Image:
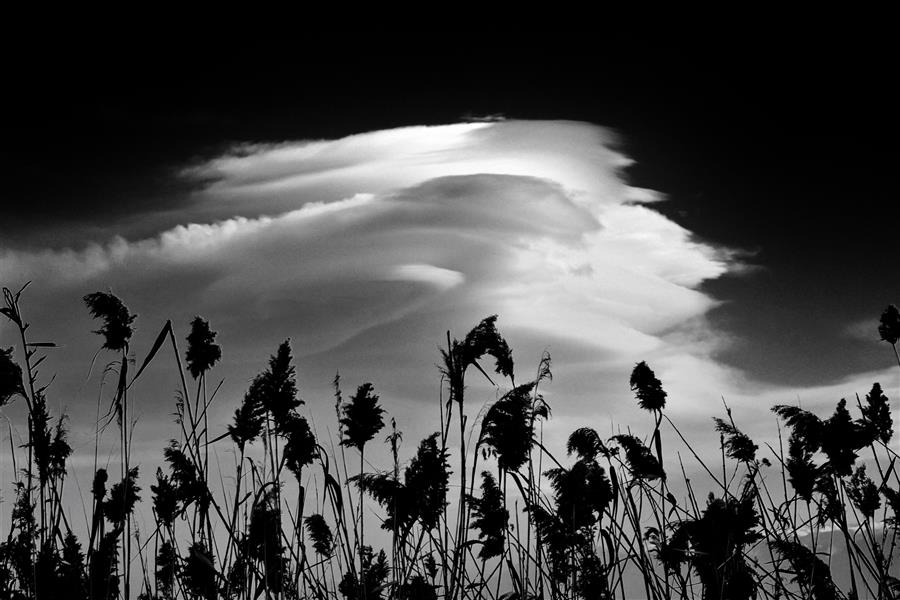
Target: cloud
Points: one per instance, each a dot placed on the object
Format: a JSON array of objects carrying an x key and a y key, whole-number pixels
[
  {"x": 443, "y": 279},
  {"x": 365, "y": 251},
  {"x": 865, "y": 330},
  {"x": 279, "y": 177},
  {"x": 328, "y": 240}
]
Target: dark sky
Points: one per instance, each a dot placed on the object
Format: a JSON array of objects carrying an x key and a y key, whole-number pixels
[{"x": 780, "y": 146}]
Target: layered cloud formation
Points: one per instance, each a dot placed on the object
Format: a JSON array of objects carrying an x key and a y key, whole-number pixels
[{"x": 365, "y": 250}]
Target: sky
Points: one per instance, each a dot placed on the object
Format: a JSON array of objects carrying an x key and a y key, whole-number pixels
[{"x": 724, "y": 209}]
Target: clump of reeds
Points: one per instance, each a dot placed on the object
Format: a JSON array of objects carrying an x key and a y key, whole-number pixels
[{"x": 609, "y": 520}]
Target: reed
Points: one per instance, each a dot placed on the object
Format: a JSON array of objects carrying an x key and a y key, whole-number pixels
[{"x": 610, "y": 518}]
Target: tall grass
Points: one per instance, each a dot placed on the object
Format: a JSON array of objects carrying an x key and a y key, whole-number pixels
[{"x": 483, "y": 509}]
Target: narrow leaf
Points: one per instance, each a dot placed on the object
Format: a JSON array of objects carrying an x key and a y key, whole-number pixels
[{"x": 167, "y": 328}]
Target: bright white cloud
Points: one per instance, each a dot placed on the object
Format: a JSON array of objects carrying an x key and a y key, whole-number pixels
[
  {"x": 365, "y": 250},
  {"x": 443, "y": 279},
  {"x": 280, "y": 177},
  {"x": 327, "y": 240}
]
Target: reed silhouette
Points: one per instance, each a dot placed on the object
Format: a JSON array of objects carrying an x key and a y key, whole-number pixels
[{"x": 610, "y": 519}]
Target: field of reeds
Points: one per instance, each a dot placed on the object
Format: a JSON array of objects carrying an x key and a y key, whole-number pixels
[{"x": 482, "y": 510}]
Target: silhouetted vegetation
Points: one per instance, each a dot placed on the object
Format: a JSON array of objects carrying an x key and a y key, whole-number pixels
[{"x": 615, "y": 518}]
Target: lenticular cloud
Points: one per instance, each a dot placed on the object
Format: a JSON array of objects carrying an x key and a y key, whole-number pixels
[{"x": 410, "y": 231}]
